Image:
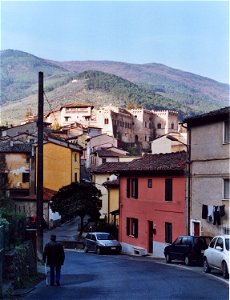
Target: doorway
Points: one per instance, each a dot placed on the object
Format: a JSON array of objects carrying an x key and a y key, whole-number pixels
[
  {"x": 195, "y": 228},
  {"x": 150, "y": 236}
]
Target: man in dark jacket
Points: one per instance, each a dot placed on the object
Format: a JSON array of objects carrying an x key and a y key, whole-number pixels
[{"x": 54, "y": 256}]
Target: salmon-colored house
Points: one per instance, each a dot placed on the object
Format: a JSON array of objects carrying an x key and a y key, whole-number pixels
[{"x": 152, "y": 203}]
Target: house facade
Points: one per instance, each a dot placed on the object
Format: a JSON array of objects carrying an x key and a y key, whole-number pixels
[
  {"x": 15, "y": 165},
  {"x": 61, "y": 164},
  {"x": 152, "y": 202},
  {"x": 70, "y": 113},
  {"x": 209, "y": 143}
]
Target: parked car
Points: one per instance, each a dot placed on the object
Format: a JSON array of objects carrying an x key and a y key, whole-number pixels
[
  {"x": 101, "y": 242},
  {"x": 216, "y": 256},
  {"x": 187, "y": 249}
]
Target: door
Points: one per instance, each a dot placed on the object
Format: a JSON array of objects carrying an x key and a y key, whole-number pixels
[
  {"x": 150, "y": 236},
  {"x": 196, "y": 226}
]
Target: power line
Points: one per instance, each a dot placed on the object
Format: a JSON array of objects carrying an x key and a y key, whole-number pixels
[{"x": 51, "y": 110}]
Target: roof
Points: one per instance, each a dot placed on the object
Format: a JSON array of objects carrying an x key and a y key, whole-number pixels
[
  {"x": 210, "y": 117},
  {"x": 75, "y": 104},
  {"x": 47, "y": 195},
  {"x": 108, "y": 153},
  {"x": 111, "y": 183},
  {"x": 9, "y": 147},
  {"x": 159, "y": 163},
  {"x": 175, "y": 161},
  {"x": 110, "y": 167}
]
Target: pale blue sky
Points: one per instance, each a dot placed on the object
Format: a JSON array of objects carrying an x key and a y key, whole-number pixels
[{"x": 189, "y": 35}]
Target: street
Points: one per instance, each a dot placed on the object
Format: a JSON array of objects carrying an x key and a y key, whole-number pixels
[{"x": 90, "y": 276}]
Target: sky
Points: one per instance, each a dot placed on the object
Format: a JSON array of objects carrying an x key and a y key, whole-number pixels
[{"x": 192, "y": 36}]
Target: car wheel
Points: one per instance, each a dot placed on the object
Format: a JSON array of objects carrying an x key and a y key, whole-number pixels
[
  {"x": 187, "y": 260},
  {"x": 225, "y": 269},
  {"x": 98, "y": 250},
  {"x": 206, "y": 266},
  {"x": 168, "y": 258}
]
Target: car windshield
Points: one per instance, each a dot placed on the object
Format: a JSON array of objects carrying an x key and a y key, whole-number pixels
[
  {"x": 104, "y": 236},
  {"x": 227, "y": 244}
]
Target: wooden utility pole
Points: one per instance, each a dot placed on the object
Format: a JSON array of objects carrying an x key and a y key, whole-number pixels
[{"x": 40, "y": 168}]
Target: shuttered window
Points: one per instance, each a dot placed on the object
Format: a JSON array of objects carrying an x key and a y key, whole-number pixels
[{"x": 168, "y": 189}]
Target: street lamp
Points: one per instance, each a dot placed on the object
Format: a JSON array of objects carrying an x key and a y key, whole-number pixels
[{"x": 188, "y": 163}]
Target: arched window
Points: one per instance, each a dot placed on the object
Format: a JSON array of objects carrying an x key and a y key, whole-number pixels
[{"x": 106, "y": 121}]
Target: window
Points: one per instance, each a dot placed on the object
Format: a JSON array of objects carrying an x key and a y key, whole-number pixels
[
  {"x": 75, "y": 157},
  {"x": 172, "y": 125},
  {"x": 25, "y": 177},
  {"x": 149, "y": 183},
  {"x": 103, "y": 160},
  {"x": 128, "y": 188},
  {"x": 227, "y": 132},
  {"x": 132, "y": 188},
  {"x": 211, "y": 245},
  {"x": 132, "y": 227},
  {"x": 106, "y": 121},
  {"x": 226, "y": 189},
  {"x": 168, "y": 232},
  {"x": 178, "y": 241},
  {"x": 168, "y": 189},
  {"x": 75, "y": 177},
  {"x": 159, "y": 126},
  {"x": 220, "y": 243}
]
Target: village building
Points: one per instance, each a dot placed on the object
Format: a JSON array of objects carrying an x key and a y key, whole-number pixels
[
  {"x": 209, "y": 146},
  {"x": 152, "y": 202},
  {"x": 70, "y": 113}
]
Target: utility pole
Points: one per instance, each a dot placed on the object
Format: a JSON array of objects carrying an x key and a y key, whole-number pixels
[{"x": 40, "y": 168}]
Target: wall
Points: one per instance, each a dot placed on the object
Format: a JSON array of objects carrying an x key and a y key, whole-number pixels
[
  {"x": 151, "y": 206},
  {"x": 99, "y": 179},
  {"x": 58, "y": 169},
  {"x": 210, "y": 165},
  {"x": 16, "y": 166}
]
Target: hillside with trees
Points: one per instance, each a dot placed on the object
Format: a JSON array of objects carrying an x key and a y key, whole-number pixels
[{"x": 151, "y": 86}]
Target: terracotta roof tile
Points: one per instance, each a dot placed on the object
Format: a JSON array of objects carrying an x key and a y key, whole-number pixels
[
  {"x": 110, "y": 167},
  {"x": 149, "y": 162},
  {"x": 108, "y": 153},
  {"x": 159, "y": 162}
]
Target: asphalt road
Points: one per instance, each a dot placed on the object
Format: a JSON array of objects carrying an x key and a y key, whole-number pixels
[{"x": 87, "y": 276}]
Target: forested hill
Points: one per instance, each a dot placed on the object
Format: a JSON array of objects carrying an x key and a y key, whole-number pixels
[{"x": 152, "y": 86}]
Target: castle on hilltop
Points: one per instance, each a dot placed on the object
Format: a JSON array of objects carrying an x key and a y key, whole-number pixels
[{"x": 128, "y": 126}]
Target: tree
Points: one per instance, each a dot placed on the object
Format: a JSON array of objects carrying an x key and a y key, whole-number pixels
[{"x": 77, "y": 199}]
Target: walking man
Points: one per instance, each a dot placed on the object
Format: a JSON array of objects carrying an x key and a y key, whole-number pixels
[{"x": 54, "y": 256}]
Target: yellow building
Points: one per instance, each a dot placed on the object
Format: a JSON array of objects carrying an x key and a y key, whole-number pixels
[
  {"x": 15, "y": 164},
  {"x": 113, "y": 200},
  {"x": 61, "y": 164}
]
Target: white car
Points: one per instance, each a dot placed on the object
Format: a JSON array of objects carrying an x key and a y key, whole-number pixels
[{"x": 216, "y": 256}]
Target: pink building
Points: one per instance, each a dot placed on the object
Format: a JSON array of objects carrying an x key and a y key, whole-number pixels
[{"x": 152, "y": 202}]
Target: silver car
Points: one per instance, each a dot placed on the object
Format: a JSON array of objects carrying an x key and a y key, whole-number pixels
[
  {"x": 216, "y": 256},
  {"x": 101, "y": 242}
]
